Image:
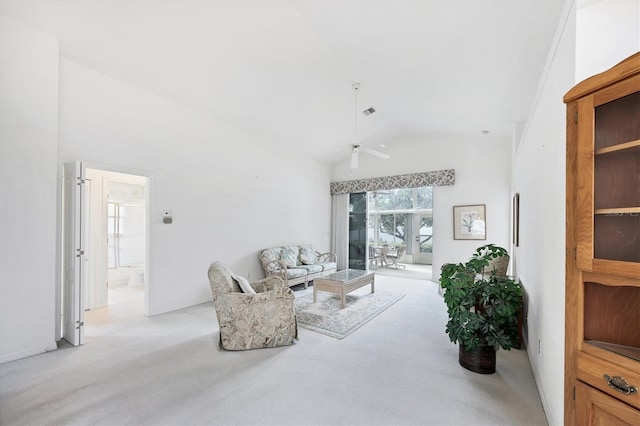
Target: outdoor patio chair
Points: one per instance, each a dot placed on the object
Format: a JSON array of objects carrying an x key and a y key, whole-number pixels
[
  {"x": 374, "y": 256},
  {"x": 384, "y": 252},
  {"x": 392, "y": 258}
]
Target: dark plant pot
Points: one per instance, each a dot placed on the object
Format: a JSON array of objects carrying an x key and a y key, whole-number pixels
[{"x": 480, "y": 360}]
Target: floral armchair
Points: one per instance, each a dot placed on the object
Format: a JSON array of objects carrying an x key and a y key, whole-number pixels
[{"x": 264, "y": 319}]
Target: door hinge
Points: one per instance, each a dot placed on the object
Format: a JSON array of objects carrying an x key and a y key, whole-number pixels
[
  {"x": 575, "y": 117},
  {"x": 79, "y": 324},
  {"x": 79, "y": 252},
  {"x": 80, "y": 181},
  {"x": 574, "y": 393},
  {"x": 575, "y": 253}
]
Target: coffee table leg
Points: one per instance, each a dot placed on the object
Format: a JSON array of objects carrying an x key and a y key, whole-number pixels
[
  {"x": 342, "y": 298},
  {"x": 315, "y": 293},
  {"x": 373, "y": 288}
]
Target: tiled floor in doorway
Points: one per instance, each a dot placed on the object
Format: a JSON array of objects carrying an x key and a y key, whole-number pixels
[
  {"x": 414, "y": 271},
  {"x": 125, "y": 302}
]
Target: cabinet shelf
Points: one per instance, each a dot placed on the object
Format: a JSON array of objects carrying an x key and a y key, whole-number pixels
[
  {"x": 617, "y": 178},
  {"x": 618, "y": 211},
  {"x": 611, "y": 314},
  {"x": 627, "y": 351},
  {"x": 619, "y": 147}
]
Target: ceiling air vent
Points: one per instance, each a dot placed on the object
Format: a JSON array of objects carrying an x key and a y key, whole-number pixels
[{"x": 369, "y": 111}]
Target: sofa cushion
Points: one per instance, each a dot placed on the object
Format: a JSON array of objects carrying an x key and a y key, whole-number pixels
[
  {"x": 296, "y": 273},
  {"x": 244, "y": 284},
  {"x": 311, "y": 269},
  {"x": 308, "y": 255},
  {"x": 328, "y": 265},
  {"x": 269, "y": 255},
  {"x": 290, "y": 256}
]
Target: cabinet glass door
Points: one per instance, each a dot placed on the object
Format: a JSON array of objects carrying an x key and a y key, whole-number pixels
[{"x": 617, "y": 180}]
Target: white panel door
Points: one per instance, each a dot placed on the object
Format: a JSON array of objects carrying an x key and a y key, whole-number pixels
[{"x": 73, "y": 312}]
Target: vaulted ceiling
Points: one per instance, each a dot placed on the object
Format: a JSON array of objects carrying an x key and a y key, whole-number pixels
[{"x": 284, "y": 69}]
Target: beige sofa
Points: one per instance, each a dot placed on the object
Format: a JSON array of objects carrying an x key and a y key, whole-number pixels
[{"x": 296, "y": 264}]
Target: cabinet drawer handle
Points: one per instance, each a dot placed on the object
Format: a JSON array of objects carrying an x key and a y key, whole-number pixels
[{"x": 620, "y": 384}]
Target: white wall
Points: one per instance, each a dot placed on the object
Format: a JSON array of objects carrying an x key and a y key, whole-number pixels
[
  {"x": 589, "y": 40},
  {"x": 231, "y": 192},
  {"x": 606, "y": 33},
  {"x": 483, "y": 169},
  {"x": 539, "y": 177},
  {"x": 28, "y": 145}
]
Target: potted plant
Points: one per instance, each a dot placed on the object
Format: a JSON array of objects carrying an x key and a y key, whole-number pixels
[{"x": 483, "y": 308}]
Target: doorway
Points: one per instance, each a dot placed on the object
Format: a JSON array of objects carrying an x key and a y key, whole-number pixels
[
  {"x": 402, "y": 219},
  {"x": 117, "y": 241},
  {"x": 106, "y": 238}
]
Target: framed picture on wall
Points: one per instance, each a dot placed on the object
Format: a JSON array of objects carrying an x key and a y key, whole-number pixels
[
  {"x": 516, "y": 219},
  {"x": 469, "y": 222}
]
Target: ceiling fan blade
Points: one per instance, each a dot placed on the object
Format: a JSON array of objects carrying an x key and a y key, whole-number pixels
[
  {"x": 354, "y": 159},
  {"x": 376, "y": 153}
]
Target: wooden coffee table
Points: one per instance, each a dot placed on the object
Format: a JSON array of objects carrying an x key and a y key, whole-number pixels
[{"x": 343, "y": 282}]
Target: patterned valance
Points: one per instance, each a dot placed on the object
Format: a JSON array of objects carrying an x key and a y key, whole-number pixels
[{"x": 413, "y": 180}]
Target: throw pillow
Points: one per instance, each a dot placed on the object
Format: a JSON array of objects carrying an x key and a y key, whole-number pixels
[
  {"x": 290, "y": 256},
  {"x": 244, "y": 284},
  {"x": 308, "y": 255},
  {"x": 269, "y": 255}
]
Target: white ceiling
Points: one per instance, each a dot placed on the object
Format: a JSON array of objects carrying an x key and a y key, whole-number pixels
[{"x": 284, "y": 69}]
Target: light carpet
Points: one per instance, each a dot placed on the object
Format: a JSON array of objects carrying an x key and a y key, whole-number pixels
[
  {"x": 327, "y": 317},
  {"x": 399, "y": 369}
]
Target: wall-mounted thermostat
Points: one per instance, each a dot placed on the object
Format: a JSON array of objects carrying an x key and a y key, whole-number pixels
[{"x": 167, "y": 218}]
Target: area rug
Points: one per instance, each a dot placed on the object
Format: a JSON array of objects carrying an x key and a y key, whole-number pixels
[{"x": 325, "y": 316}]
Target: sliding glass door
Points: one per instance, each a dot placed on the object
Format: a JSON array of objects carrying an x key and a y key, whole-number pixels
[
  {"x": 396, "y": 217},
  {"x": 389, "y": 228},
  {"x": 358, "y": 231},
  {"x": 403, "y": 217}
]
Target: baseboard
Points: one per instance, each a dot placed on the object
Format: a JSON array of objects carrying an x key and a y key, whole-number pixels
[
  {"x": 165, "y": 310},
  {"x": 543, "y": 398},
  {"x": 14, "y": 356}
]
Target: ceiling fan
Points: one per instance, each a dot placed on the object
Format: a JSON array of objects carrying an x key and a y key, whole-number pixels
[{"x": 356, "y": 148}]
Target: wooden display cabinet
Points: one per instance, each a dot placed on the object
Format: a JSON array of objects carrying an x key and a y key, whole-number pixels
[
  {"x": 599, "y": 409},
  {"x": 602, "y": 322}
]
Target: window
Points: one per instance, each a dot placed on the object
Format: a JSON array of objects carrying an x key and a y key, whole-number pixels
[
  {"x": 424, "y": 197},
  {"x": 401, "y": 199},
  {"x": 125, "y": 234},
  {"x": 391, "y": 213},
  {"x": 394, "y": 199}
]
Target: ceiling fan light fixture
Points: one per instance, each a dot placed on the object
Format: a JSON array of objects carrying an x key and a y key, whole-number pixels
[
  {"x": 354, "y": 157},
  {"x": 355, "y": 146}
]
